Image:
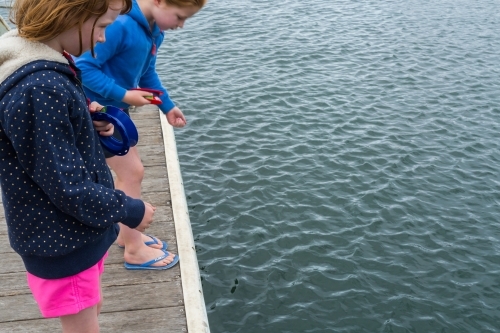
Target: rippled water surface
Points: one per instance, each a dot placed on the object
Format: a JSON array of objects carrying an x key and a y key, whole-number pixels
[{"x": 341, "y": 162}]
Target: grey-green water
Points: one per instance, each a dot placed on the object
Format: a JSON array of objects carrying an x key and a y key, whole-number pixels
[{"x": 341, "y": 163}]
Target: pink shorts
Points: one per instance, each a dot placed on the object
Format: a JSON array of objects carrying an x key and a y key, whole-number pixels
[{"x": 69, "y": 295}]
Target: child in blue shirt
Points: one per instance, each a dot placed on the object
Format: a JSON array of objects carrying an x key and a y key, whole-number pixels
[{"x": 125, "y": 62}]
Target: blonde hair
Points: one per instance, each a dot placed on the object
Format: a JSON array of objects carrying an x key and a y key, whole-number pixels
[
  {"x": 43, "y": 20},
  {"x": 186, "y": 3}
]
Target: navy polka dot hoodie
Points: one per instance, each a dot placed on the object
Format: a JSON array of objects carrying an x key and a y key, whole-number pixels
[{"x": 57, "y": 191}]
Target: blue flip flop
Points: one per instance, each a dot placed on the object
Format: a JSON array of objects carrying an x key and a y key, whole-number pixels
[
  {"x": 147, "y": 265},
  {"x": 151, "y": 242}
]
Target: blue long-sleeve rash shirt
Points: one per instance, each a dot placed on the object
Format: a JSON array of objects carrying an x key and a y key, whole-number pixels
[{"x": 126, "y": 60}]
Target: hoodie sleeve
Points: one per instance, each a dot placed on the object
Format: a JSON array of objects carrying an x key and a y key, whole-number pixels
[
  {"x": 92, "y": 74},
  {"x": 45, "y": 128}
]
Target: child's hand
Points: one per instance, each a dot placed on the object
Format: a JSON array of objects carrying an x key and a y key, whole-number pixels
[
  {"x": 137, "y": 97},
  {"x": 94, "y": 107},
  {"x": 175, "y": 117},
  {"x": 148, "y": 217},
  {"x": 103, "y": 127}
]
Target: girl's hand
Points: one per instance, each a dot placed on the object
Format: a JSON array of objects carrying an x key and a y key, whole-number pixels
[
  {"x": 94, "y": 107},
  {"x": 175, "y": 117},
  {"x": 148, "y": 217},
  {"x": 137, "y": 97},
  {"x": 103, "y": 127}
]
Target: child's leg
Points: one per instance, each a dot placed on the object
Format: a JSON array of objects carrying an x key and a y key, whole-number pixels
[
  {"x": 84, "y": 321},
  {"x": 129, "y": 174}
]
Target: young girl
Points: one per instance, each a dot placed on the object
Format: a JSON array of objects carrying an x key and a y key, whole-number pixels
[
  {"x": 126, "y": 61},
  {"x": 61, "y": 209}
]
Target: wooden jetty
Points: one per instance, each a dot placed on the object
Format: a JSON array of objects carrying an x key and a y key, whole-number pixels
[{"x": 134, "y": 301}]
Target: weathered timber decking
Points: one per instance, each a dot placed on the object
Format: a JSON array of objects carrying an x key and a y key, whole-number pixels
[{"x": 134, "y": 301}]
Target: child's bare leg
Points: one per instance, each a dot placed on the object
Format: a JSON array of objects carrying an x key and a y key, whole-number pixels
[
  {"x": 84, "y": 321},
  {"x": 129, "y": 174}
]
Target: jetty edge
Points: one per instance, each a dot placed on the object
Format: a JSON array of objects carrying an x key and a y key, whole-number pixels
[
  {"x": 194, "y": 302},
  {"x": 4, "y": 27}
]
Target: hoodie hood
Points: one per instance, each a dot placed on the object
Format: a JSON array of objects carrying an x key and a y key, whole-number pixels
[
  {"x": 139, "y": 17},
  {"x": 16, "y": 52}
]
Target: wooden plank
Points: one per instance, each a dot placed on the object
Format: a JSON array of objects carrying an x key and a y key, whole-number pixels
[
  {"x": 160, "y": 200},
  {"x": 138, "y": 321},
  {"x": 13, "y": 273},
  {"x": 15, "y": 282},
  {"x": 31, "y": 326},
  {"x": 162, "y": 223},
  {"x": 150, "y": 138},
  {"x": 123, "y": 291},
  {"x": 11, "y": 262}
]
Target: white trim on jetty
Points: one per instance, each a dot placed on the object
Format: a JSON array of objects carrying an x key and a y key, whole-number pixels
[
  {"x": 194, "y": 302},
  {"x": 4, "y": 27}
]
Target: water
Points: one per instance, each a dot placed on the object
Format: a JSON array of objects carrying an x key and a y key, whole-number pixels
[{"x": 341, "y": 163}]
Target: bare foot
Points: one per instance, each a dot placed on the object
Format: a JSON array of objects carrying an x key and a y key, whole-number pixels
[
  {"x": 150, "y": 240},
  {"x": 144, "y": 254}
]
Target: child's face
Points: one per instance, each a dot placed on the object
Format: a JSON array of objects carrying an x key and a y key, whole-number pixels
[
  {"x": 73, "y": 46},
  {"x": 170, "y": 17}
]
